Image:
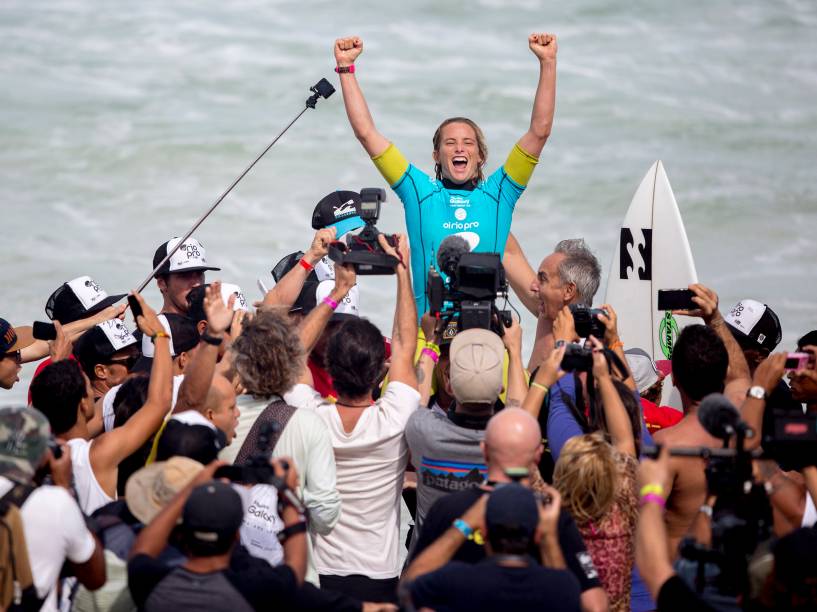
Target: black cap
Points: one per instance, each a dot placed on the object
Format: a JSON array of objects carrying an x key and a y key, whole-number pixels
[
  {"x": 184, "y": 336},
  {"x": 513, "y": 507},
  {"x": 198, "y": 442},
  {"x": 808, "y": 339},
  {"x": 78, "y": 299},
  {"x": 305, "y": 301},
  {"x": 213, "y": 512},
  {"x": 101, "y": 342},
  {"x": 339, "y": 209},
  {"x": 189, "y": 257}
]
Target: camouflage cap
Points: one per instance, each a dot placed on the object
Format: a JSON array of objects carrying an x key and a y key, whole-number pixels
[{"x": 24, "y": 435}]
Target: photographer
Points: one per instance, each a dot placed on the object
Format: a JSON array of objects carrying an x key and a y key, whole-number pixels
[
  {"x": 217, "y": 575},
  {"x": 360, "y": 556},
  {"x": 25, "y": 461},
  {"x": 511, "y": 519},
  {"x": 445, "y": 447}
]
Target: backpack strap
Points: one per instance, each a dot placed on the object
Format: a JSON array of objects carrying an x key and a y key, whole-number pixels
[{"x": 276, "y": 415}]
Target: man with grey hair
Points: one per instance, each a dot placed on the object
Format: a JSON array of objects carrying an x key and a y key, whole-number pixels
[{"x": 569, "y": 275}]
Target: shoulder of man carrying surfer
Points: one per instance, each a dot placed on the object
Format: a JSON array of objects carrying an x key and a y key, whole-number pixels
[{"x": 390, "y": 161}]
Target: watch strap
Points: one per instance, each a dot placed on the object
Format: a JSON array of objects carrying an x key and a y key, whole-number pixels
[
  {"x": 287, "y": 532},
  {"x": 213, "y": 340}
]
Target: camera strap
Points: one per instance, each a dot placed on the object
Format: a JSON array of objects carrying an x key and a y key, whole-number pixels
[{"x": 277, "y": 413}]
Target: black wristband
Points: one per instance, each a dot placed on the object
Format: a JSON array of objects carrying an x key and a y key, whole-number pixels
[
  {"x": 286, "y": 532},
  {"x": 205, "y": 337}
]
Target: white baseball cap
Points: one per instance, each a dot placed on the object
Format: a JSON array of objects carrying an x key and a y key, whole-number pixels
[
  {"x": 348, "y": 307},
  {"x": 189, "y": 257}
]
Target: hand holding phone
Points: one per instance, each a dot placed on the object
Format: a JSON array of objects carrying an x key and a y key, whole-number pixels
[
  {"x": 676, "y": 299},
  {"x": 44, "y": 331},
  {"x": 794, "y": 361},
  {"x": 135, "y": 307}
]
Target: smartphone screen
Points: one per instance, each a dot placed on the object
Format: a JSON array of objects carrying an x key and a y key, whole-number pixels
[
  {"x": 44, "y": 331},
  {"x": 676, "y": 299}
]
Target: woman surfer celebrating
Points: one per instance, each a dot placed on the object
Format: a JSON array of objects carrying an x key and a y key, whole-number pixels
[{"x": 459, "y": 200}]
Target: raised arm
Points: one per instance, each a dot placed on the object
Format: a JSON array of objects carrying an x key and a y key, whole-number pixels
[
  {"x": 347, "y": 51},
  {"x": 520, "y": 274},
  {"x": 517, "y": 386},
  {"x": 404, "y": 335},
  {"x": 109, "y": 449},
  {"x": 313, "y": 325},
  {"x": 198, "y": 376},
  {"x": 618, "y": 423},
  {"x": 544, "y": 48},
  {"x": 286, "y": 291}
]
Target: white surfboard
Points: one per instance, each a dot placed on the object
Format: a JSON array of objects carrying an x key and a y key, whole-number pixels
[{"x": 652, "y": 253}]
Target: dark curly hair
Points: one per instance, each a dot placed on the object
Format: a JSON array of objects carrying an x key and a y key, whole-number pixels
[
  {"x": 699, "y": 362},
  {"x": 355, "y": 357},
  {"x": 267, "y": 354},
  {"x": 57, "y": 392}
]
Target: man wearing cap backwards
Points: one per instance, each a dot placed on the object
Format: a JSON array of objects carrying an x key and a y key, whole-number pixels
[
  {"x": 183, "y": 271},
  {"x": 360, "y": 556},
  {"x": 512, "y": 520},
  {"x": 445, "y": 447},
  {"x": 459, "y": 199},
  {"x": 512, "y": 445},
  {"x": 55, "y": 530},
  {"x": 217, "y": 574},
  {"x": 63, "y": 393}
]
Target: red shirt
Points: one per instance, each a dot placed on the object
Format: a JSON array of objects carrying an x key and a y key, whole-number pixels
[{"x": 659, "y": 417}]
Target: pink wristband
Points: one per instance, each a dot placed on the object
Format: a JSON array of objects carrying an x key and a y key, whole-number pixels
[
  {"x": 434, "y": 357},
  {"x": 330, "y": 302},
  {"x": 654, "y": 498}
]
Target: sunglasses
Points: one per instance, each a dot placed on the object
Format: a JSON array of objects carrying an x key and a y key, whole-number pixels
[
  {"x": 127, "y": 362},
  {"x": 15, "y": 355}
]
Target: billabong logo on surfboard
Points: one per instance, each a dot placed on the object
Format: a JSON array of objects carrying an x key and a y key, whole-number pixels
[{"x": 635, "y": 256}]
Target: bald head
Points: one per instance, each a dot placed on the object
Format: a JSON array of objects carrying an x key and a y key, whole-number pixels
[
  {"x": 220, "y": 408},
  {"x": 512, "y": 439}
]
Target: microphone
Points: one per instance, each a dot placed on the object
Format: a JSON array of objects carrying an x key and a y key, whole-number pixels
[
  {"x": 448, "y": 255},
  {"x": 719, "y": 417}
]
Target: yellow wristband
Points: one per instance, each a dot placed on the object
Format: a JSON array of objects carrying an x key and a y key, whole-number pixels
[
  {"x": 544, "y": 388},
  {"x": 159, "y": 334},
  {"x": 615, "y": 345},
  {"x": 433, "y": 347},
  {"x": 657, "y": 489}
]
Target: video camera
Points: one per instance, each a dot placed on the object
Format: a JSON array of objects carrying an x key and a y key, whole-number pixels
[
  {"x": 258, "y": 470},
  {"x": 586, "y": 321},
  {"x": 363, "y": 250},
  {"x": 475, "y": 281}
]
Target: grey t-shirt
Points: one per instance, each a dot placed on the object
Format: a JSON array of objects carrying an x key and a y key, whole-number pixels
[{"x": 447, "y": 458}]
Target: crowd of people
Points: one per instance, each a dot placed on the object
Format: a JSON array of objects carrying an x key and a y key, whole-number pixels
[{"x": 234, "y": 457}]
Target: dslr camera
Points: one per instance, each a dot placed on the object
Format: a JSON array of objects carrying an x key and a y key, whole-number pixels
[
  {"x": 363, "y": 250},
  {"x": 475, "y": 281},
  {"x": 586, "y": 321}
]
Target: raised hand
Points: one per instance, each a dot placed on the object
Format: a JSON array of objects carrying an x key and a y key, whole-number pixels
[
  {"x": 564, "y": 327},
  {"x": 610, "y": 323},
  {"x": 147, "y": 322},
  {"x": 600, "y": 367},
  {"x": 347, "y": 50},
  {"x": 219, "y": 314},
  {"x": 512, "y": 338},
  {"x": 320, "y": 244},
  {"x": 707, "y": 301},
  {"x": 769, "y": 372},
  {"x": 60, "y": 347},
  {"x": 543, "y": 46},
  {"x": 401, "y": 252},
  {"x": 345, "y": 278}
]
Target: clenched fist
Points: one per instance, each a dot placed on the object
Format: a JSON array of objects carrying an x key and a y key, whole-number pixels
[
  {"x": 347, "y": 50},
  {"x": 542, "y": 44}
]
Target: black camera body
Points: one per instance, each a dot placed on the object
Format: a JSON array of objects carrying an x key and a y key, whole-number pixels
[
  {"x": 792, "y": 441},
  {"x": 475, "y": 280},
  {"x": 586, "y": 321},
  {"x": 577, "y": 358},
  {"x": 363, "y": 250}
]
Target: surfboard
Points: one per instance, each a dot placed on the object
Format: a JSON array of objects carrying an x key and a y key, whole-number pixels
[{"x": 652, "y": 253}]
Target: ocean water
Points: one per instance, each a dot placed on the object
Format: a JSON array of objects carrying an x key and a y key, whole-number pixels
[{"x": 121, "y": 123}]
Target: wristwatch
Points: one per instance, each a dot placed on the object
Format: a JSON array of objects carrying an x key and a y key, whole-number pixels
[
  {"x": 756, "y": 392},
  {"x": 213, "y": 340}
]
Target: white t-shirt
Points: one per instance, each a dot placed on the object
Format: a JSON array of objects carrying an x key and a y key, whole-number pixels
[
  {"x": 370, "y": 462},
  {"x": 261, "y": 525},
  {"x": 810, "y": 513},
  {"x": 109, "y": 398},
  {"x": 55, "y": 531},
  {"x": 90, "y": 494}
]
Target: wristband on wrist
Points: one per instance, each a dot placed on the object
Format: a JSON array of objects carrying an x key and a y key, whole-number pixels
[
  {"x": 652, "y": 488},
  {"x": 345, "y": 69},
  {"x": 159, "y": 334},
  {"x": 433, "y": 347},
  {"x": 431, "y": 354},
  {"x": 544, "y": 388},
  {"x": 464, "y": 528},
  {"x": 287, "y": 532},
  {"x": 653, "y": 498},
  {"x": 706, "y": 509},
  {"x": 615, "y": 345},
  {"x": 330, "y": 302},
  {"x": 306, "y": 265}
]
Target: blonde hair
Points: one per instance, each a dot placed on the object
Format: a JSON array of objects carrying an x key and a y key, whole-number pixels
[
  {"x": 481, "y": 145},
  {"x": 586, "y": 477}
]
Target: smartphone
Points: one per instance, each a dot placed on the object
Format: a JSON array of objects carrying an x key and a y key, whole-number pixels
[
  {"x": 262, "y": 287},
  {"x": 44, "y": 331},
  {"x": 135, "y": 307},
  {"x": 794, "y": 361},
  {"x": 676, "y": 299}
]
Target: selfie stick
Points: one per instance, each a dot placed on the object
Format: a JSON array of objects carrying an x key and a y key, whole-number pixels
[{"x": 322, "y": 89}]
